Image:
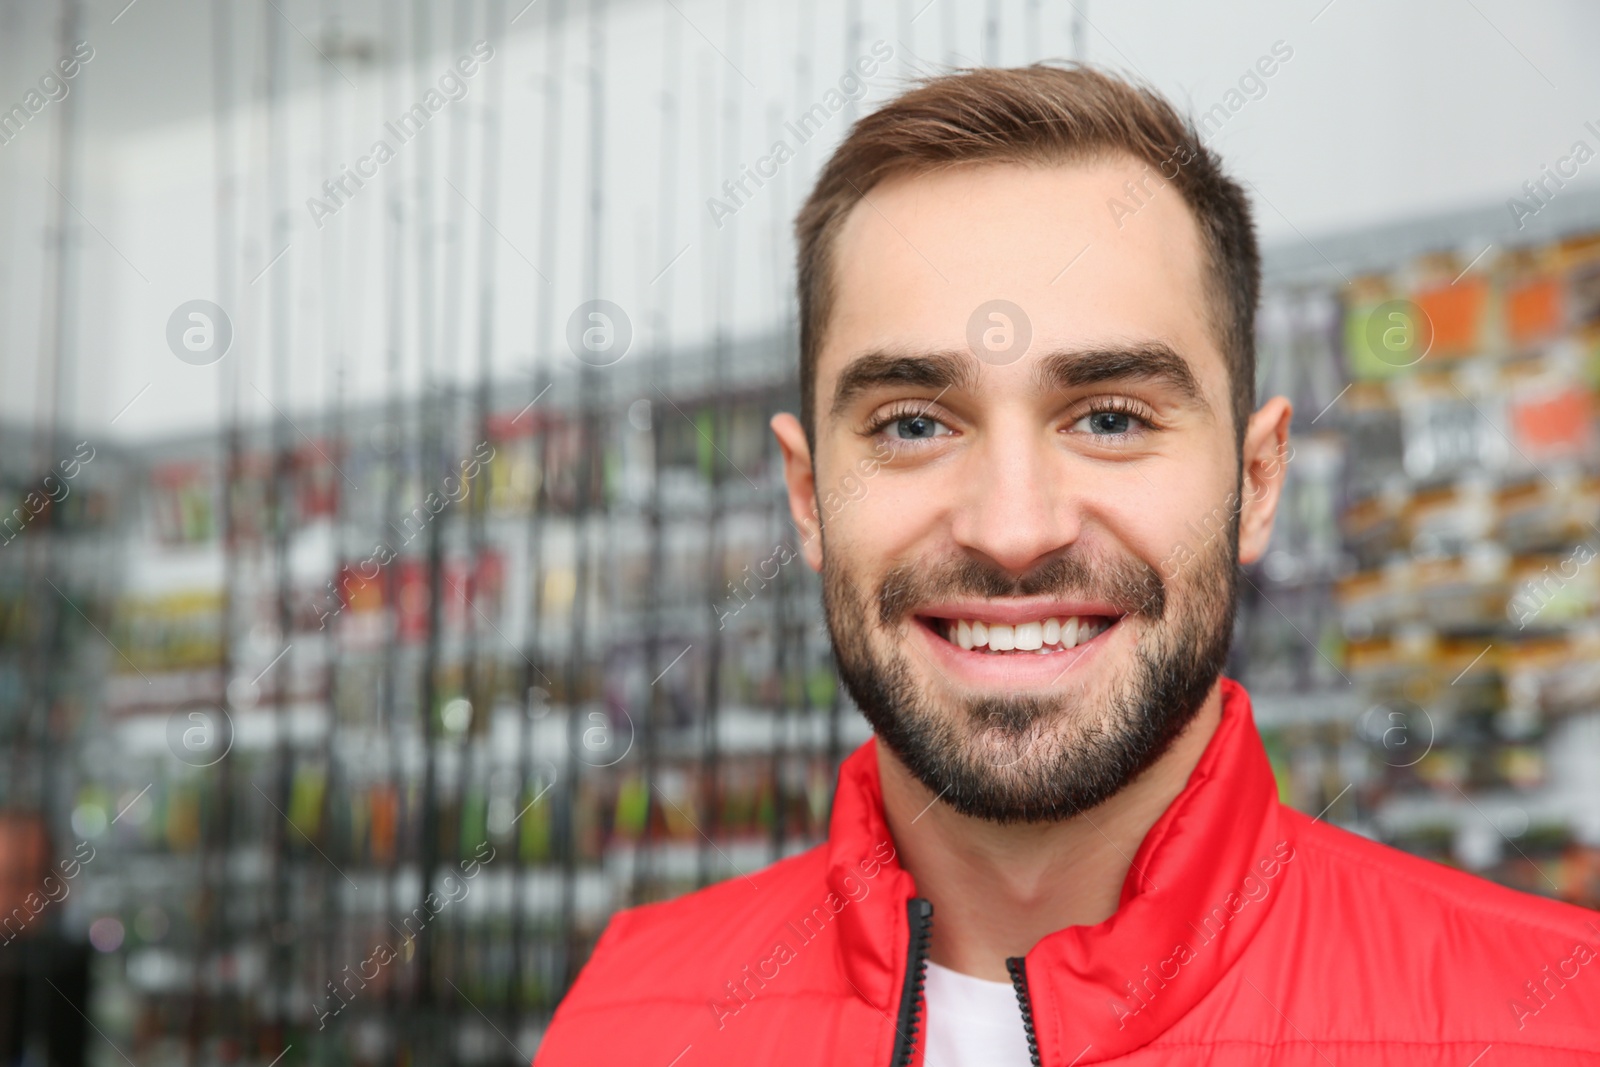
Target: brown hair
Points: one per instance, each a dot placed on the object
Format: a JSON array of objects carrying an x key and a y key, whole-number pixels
[{"x": 1035, "y": 115}]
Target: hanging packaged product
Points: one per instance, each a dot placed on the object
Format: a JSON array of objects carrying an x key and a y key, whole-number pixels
[
  {"x": 183, "y": 816},
  {"x": 1581, "y": 257},
  {"x": 357, "y": 820},
  {"x": 360, "y": 587},
  {"x": 249, "y": 489},
  {"x": 474, "y": 826},
  {"x": 563, "y": 445},
  {"x": 1520, "y": 766},
  {"x": 413, "y": 593},
  {"x": 1376, "y": 601},
  {"x": 1384, "y": 333},
  {"x": 1555, "y": 675},
  {"x": 1455, "y": 313},
  {"x": 1460, "y": 594},
  {"x": 735, "y": 798},
  {"x": 514, "y": 479},
  {"x": 1546, "y": 514},
  {"x": 384, "y": 802},
  {"x": 1446, "y": 520},
  {"x": 316, "y": 477},
  {"x": 1388, "y": 665},
  {"x": 591, "y": 817},
  {"x": 675, "y": 786},
  {"x": 1452, "y": 425},
  {"x": 1373, "y": 529},
  {"x": 24, "y": 856},
  {"x": 1551, "y": 411},
  {"x": 1470, "y": 666},
  {"x": 1447, "y": 770},
  {"x": 633, "y": 807},
  {"x": 487, "y": 587},
  {"x": 1535, "y": 298},
  {"x": 533, "y": 829},
  {"x": 1369, "y": 418},
  {"x": 1581, "y": 870},
  {"x": 306, "y": 794},
  {"x": 1308, "y": 528},
  {"x": 170, "y": 632},
  {"x": 1551, "y": 592},
  {"x": 182, "y": 504}
]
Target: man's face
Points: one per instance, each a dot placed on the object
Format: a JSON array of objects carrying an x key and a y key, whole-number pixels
[{"x": 1028, "y": 547}]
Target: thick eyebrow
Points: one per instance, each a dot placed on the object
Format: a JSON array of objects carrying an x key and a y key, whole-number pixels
[
  {"x": 1152, "y": 361},
  {"x": 942, "y": 370},
  {"x": 1149, "y": 361}
]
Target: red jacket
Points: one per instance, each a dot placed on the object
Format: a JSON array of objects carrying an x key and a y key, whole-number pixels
[{"x": 1255, "y": 935}]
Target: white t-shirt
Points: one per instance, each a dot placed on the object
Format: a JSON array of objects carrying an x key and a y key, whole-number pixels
[{"x": 972, "y": 1022}]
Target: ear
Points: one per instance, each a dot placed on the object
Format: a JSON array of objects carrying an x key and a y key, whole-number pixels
[
  {"x": 1265, "y": 458},
  {"x": 802, "y": 485}
]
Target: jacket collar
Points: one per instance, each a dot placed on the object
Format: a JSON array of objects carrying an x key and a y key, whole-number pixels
[{"x": 1199, "y": 888}]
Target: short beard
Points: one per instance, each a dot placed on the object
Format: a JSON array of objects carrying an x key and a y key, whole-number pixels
[{"x": 1030, "y": 759}]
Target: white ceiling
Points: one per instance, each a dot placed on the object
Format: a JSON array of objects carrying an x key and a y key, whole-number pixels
[{"x": 1383, "y": 112}]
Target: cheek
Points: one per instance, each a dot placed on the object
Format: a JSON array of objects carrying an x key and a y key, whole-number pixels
[
  {"x": 1173, "y": 519},
  {"x": 883, "y": 523}
]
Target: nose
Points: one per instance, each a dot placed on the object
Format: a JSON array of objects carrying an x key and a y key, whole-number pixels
[{"x": 1018, "y": 505}]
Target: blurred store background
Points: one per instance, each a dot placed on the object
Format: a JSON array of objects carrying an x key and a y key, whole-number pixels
[{"x": 379, "y": 613}]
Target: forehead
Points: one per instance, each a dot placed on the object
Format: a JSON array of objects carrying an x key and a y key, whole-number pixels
[{"x": 1093, "y": 253}]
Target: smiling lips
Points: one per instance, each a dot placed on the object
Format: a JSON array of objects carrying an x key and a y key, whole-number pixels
[{"x": 1051, "y": 634}]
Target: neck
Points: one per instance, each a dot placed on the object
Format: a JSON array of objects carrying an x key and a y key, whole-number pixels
[{"x": 998, "y": 889}]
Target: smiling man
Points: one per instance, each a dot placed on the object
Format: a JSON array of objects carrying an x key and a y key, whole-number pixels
[{"x": 1027, "y": 302}]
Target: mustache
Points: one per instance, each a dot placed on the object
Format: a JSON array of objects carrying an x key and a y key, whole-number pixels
[{"x": 1129, "y": 584}]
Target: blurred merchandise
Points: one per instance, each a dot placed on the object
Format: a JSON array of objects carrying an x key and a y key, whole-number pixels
[
  {"x": 1456, "y": 708},
  {"x": 539, "y": 701},
  {"x": 345, "y": 722}
]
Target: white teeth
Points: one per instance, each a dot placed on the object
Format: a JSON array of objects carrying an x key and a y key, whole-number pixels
[{"x": 1043, "y": 636}]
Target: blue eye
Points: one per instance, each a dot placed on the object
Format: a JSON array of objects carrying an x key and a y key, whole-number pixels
[
  {"x": 916, "y": 427},
  {"x": 910, "y": 426},
  {"x": 1110, "y": 422}
]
